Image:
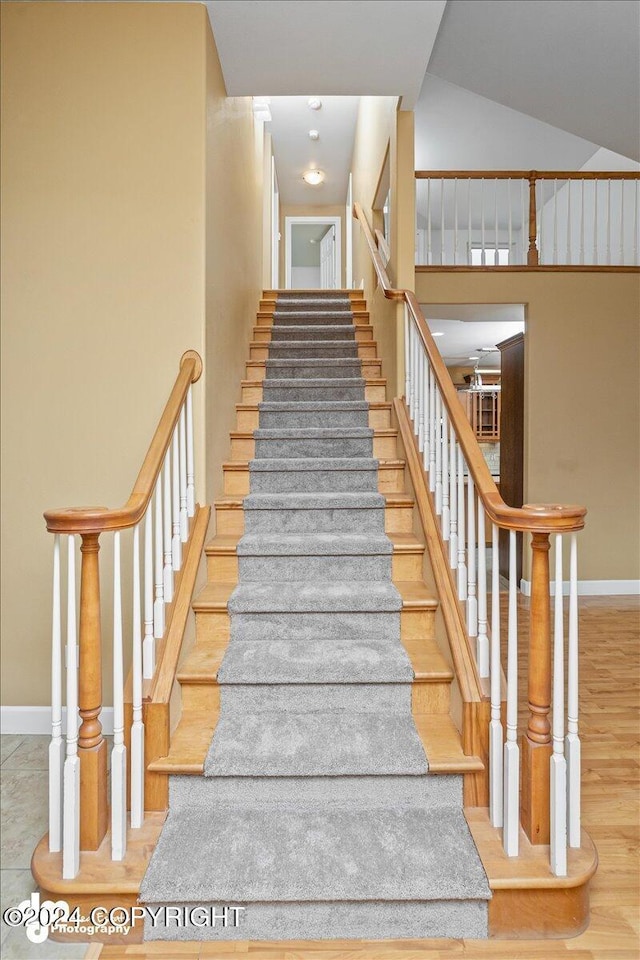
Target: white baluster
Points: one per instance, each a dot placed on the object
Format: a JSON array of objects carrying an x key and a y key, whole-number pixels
[
  {"x": 482, "y": 643},
  {"x": 472, "y": 600},
  {"x": 149, "y": 646},
  {"x": 455, "y": 220},
  {"x": 407, "y": 372},
  {"x": 119, "y": 752},
  {"x": 56, "y": 747},
  {"x": 469, "y": 258},
  {"x": 453, "y": 499},
  {"x": 621, "y": 255},
  {"x": 555, "y": 221},
  {"x": 572, "y": 745},
  {"x": 419, "y": 422},
  {"x": 428, "y": 221},
  {"x": 412, "y": 384},
  {"x": 438, "y": 441},
  {"x": 495, "y": 198},
  {"x": 525, "y": 221},
  {"x": 184, "y": 513},
  {"x": 595, "y": 221},
  {"x": 446, "y": 511},
  {"x": 568, "y": 257},
  {"x": 158, "y": 604},
  {"x": 635, "y": 225},
  {"x": 540, "y": 209},
  {"x": 137, "y": 727},
  {"x": 424, "y": 379},
  {"x": 176, "y": 542},
  {"x": 558, "y": 773},
  {"x": 462, "y": 567},
  {"x": 608, "y": 221},
  {"x": 483, "y": 259},
  {"x": 582, "y": 221},
  {"x": 167, "y": 579},
  {"x": 71, "y": 774},
  {"x": 432, "y": 431},
  {"x": 442, "y": 246},
  {"x": 191, "y": 488},
  {"x": 495, "y": 727},
  {"x": 510, "y": 252},
  {"x": 510, "y": 831}
]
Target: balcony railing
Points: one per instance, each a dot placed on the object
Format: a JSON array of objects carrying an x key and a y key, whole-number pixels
[{"x": 527, "y": 218}]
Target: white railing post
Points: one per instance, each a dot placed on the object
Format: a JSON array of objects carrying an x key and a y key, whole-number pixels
[
  {"x": 482, "y": 643},
  {"x": 182, "y": 447},
  {"x": 558, "y": 772},
  {"x": 56, "y": 747},
  {"x": 176, "y": 540},
  {"x": 572, "y": 744},
  {"x": 462, "y": 538},
  {"x": 453, "y": 499},
  {"x": 446, "y": 510},
  {"x": 191, "y": 489},
  {"x": 137, "y": 727},
  {"x": 166, "y": 515},
  {"x": 438, "y": 443},
  {"x": 119, "y": 752},
  {"x": 432, "y": 431},
  {"x": 148, "y": 645},
  {"x": 158, "y": 603},
  {"x": 71, "y": 775},
  {"x": 424, "y": 377},
  {"x": 472, "y": 600},
  {"x": 511, "y": 824},
  {"x": 496, "y": 735},
  {"x": 407, "y": 371}
]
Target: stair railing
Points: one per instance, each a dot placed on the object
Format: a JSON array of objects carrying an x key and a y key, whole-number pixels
[
  {"x": 468, "y": 506},
  {"x": 528, "y": 218},
  {"x": 159, "y": 513}
]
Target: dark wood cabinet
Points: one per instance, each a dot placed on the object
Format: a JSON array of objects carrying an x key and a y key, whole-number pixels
[{"x": 511, "y": 438}]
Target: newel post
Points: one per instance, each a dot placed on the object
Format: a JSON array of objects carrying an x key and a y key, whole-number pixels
[
  {"x": 532, "y": 254},
  {"x": 92, "y": 747},
  {"x": 536, "y": 742}
]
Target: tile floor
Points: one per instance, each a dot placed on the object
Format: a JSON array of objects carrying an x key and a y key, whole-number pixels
[{"x": 23, "y": 818}]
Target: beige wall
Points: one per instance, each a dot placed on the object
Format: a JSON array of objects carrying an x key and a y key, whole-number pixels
[
  {"x": 581, "y": 398},
  {"x": 308, "y": 210},
  {"x": 110, "y": 260}
]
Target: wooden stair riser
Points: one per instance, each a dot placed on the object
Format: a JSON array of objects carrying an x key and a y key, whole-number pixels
[
  {"x": 371, "y": 370},
  {"x": 375, "y": 391},
  {"x": 263, "y": 334},
  {"x": 260, "y": 351},
  {"x": 213, "y": 626},
  {"x": 384, "y": 446},
  {"x": 222, "y": 567},
  {"x": 248, "y": 417},
  {"x": 230, "y": 518},
  {"x": 200, "y": 696},
  {"x": 359, "y": 317},
  {"x": 236, "y": 478}
]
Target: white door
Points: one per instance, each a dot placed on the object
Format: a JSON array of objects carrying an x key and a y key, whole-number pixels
[{"x": 328, "y": 260}]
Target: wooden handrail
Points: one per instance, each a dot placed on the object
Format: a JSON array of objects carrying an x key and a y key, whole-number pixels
[
  {"x": 383, "y": 244},
  {"x": 85, "y": 520},
  {"x": 532, "y": 518},
  {"x": 526, "y": 175}
]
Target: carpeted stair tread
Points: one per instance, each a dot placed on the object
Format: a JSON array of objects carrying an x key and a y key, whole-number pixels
[
  {"x": 266, "y": 464},
  {"x": 324, "y": 660},
  {"x": 317, "y": 544},
  {"x": 315, "y": 745},
  {"x": 305, "y": 332},
  {"x": 311, "y": 433},
  {"x": 282, "y": 406},
  {"x": 314, "y": 597},
  {"x": 245, "y": 855},
  {"x": 314, "y": 501}
]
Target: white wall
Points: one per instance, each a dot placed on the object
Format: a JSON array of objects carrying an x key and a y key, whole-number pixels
[{"x": 305, "y": 278}]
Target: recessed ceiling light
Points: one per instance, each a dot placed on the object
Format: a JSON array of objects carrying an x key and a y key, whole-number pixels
[
  {"x": 488, "y": 349},
  {"x": 312, "y": 240},
  {"x": 314, "y": 102},
  {"x": 474, "y": 358},
  {"x": 437, "y": 333},
  {"x": 314, "y": 135},
  {"x": 313, "y": 177}
]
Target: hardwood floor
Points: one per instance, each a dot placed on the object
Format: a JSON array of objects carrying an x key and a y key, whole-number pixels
[{"x": 609, "y": 721}]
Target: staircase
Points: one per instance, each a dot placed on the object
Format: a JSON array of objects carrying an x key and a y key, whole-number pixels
[{"x": 315, "y": 775}]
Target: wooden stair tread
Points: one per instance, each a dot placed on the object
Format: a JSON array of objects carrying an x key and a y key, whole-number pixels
[
  {"x": 236, "y": 503},
  {"x": 415, "y": 595},
  {"x": 383, "y": 464},
  {"x": 249, "y": 434},
  {"x": 530, "y": 869},
  {"x": 201, "y": 663},
  {"x": 368, "y": 381},
  {"x": 373, "y": 404},
  {"x": 215, "y": 595},
  {"x": 429, "y": 665},
  {"x": 226, "y": 544},
  {"x": 189, "y": 744},
  {"x": 443, "y": 746}
]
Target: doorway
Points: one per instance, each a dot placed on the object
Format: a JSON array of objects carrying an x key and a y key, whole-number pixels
[{"x": 313, "y": 254}]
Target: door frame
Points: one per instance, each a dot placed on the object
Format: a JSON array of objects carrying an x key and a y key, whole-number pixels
[{"x": 289, "y": 222}]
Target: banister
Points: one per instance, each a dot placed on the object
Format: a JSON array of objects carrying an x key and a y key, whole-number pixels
[
  {"x": 86, "y": 520},
  {"x": 531, "y": 518},
  {"x": 526, "y": 175}
]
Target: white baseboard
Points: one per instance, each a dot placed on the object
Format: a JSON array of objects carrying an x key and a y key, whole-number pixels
[
  {"x": 592, "y": 588},
  {"x": 38, "y": 720}
]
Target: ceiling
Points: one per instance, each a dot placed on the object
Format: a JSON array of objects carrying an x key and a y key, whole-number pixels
[
  {"x": 327, "y": 47},
  {"x": 572, "y": 64},
  {"x": 467, "y": 328},
  {"x": 294, "y": 152}
]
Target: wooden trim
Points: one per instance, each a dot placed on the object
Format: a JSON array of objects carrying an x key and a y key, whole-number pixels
[
  {"x": 538, "y": 518},
  {"x": 525, "y": 175},
  {"x": 383, "y": 244},
  {"x": 530, "y": 268},
  {"x": 96, "y": 519}
]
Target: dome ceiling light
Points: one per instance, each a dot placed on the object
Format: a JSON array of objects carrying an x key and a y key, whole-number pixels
[
  {"x": 313, "y": 177},
  {"x": 314, "y": 135},
  {"x": 314, "y": 102}
]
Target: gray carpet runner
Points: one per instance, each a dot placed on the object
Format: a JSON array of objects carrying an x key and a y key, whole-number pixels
[{"x": 316, "y": 812}]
